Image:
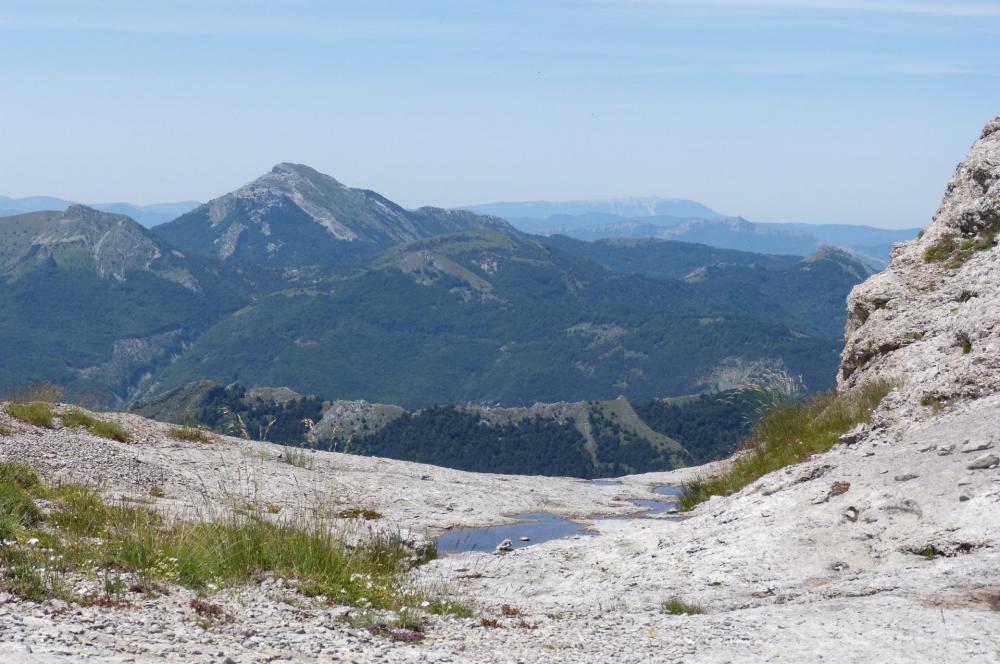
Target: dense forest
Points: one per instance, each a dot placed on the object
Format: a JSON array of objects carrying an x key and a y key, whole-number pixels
[
  {"x": 230, "y": 410},
  {"x": 710, "y": 426},
  {"x": 620, "y": 451},
  {"x": 452, "y": 437}
]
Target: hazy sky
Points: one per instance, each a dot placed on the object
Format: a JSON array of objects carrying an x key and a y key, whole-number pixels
[{"x": 795, "y": 110}]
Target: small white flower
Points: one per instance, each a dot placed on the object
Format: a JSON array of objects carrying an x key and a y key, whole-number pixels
[
  {"x": 425, "y": 604},
  {"x": 32, "y": 542}
]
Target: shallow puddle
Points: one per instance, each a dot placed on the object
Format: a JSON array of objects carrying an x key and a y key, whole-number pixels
[
  {"x": 653, "y": 508},
  {"x": 538, "y": 528},
  {"x": 541, "y": 526}
]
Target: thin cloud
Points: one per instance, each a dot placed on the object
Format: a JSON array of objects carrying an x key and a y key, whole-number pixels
[{"x": 953, "y": 8}]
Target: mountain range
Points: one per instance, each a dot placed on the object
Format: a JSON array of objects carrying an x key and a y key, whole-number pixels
[
  {"x": 299, "y": 281},
  {"x": 297, "y": 216},
  {"x": 688, "y": 221},
  {"x": 583, "y": 439},
  {"x": 147, "y": 215}
]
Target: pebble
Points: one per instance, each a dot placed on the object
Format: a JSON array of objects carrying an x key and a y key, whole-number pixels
[{"x": 906, "y": 477}]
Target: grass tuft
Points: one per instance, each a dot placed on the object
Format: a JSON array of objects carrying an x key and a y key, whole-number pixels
[
  {"x": 953, "y": 252},
  {"x": 190, "y": 434},
  {"x": 440, "y": 607},
  {"x": 298, "y": 457},
  {"x": 102, "y": 428},
  {"x": 35, "y": 413},
  {"x": 790, "y": 433},
  {"x": 965, "y": 342},
  {"x": 85, "y": 535},
  {"x": 675, "y": 606}
]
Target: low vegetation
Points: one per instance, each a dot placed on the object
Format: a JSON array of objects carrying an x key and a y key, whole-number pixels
[
  {"x": 954, "y": 251},
  {"x": 42, "y": 414},
  {"x": 965, "y": 343},
  {"x": 35, "y": 413},
  {"x": 190, "y": 434},
  {"x": 102, "y": 428},
  {"x": 367, "y": 515},
  {"x": 790, "y": 433},
  {"x": 138, "y": 548},
  {"x": 675, "y": 606},
  {"x": 298, "y": 457}
]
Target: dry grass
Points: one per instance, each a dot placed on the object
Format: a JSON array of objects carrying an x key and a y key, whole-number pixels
[
  {"x": 45, "y": 391},
  {"x": 190, "y": 434}
]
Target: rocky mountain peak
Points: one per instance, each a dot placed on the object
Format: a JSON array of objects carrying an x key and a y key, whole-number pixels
[
  {"x": 931, "y": 321},
  {"x": 295, "y": 215}
]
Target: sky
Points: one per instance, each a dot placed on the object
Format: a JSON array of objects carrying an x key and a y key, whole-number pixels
[{"x": 833, "y": 111}]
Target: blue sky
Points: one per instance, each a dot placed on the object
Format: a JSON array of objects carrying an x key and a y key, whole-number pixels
[{"x": 848, "y": 111}]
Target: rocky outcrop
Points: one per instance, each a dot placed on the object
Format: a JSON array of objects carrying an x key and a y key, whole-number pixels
[{"x": 931, "y": 321}]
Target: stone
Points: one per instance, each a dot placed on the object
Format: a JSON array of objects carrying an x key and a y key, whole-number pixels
[
  {"x": 524, "y": 538},
  {"x": 839, "y": 488},
  {"x": 906, "y": 477},
  {"x": 504, "y": 546},
  {"x": 976, "y": 447},
  {"x": 984, "y": 462}
]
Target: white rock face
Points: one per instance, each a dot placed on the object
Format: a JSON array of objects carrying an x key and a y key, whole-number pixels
[{"x": 934, "y": 325}]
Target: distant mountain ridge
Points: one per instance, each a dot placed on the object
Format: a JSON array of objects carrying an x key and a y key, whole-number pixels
[
  {"x": 295, "y": 215},
  {"x": 298, "y": 280},
  {"x": 95, "y": 302},
  {"x": 495, "y": 316},
  {"x": 689, "y": 221},
  {"x": 648, "y": 206},
  {"x": 581, "y": 439},
  {"x": 147, "y": 215}
]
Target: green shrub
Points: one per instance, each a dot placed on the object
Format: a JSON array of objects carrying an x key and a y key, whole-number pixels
[
  {"x": 675, "y": 606},
  {"x": 36, "y": 413},
  {"x": 790, "y": 433}
]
